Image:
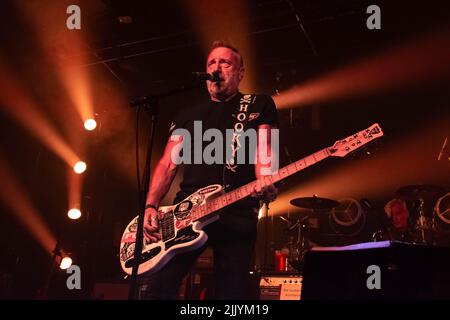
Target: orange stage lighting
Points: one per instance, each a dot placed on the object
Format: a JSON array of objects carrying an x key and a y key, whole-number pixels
[
  {"x": 420, "y": 60},
  {"x": 90, "y": 124},
  {"x": 18, "y": 105},
  {"x": 74, "y": 185},
  {"x": 16, "y": 200},
  {"x": 66, "y": 262},
  {"x": 230, "y": 23},
  {"x": 79, "y": 167},
  {"x": 74, "y": 213},
  {"x": 49, "y": 20}
]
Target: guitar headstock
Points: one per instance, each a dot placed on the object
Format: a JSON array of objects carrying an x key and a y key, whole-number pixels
[{"x": 344, "y": 146}]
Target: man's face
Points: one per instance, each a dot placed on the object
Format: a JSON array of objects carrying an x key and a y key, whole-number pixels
[
  {"x": 400, "y": 216},
  {"x": 228, "y": 65}
]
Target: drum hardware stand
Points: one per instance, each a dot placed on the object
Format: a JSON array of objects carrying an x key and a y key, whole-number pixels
[
  {"x": 55, "y": 253},
  {"x": 422, "y": 223},
  {"x": 425, "y": 226},
  {"x": 313, "y": 203},
  {"x": 301, "y": 244},
  {"x": 265, "y": 207}
]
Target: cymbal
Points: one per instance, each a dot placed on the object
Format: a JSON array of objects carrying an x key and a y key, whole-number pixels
[
  {"x": 415, "y": 192},
  {"x": 314, "y": 203}
]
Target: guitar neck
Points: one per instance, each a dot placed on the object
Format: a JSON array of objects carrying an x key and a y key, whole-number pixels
[{"x": 246, "y": 190}]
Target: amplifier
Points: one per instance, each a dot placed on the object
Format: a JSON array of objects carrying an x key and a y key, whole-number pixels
[
  {"x": 280, "y": 287},
  {"x": 399, "y": 270}
]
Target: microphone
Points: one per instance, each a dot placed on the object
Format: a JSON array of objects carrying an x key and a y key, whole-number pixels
[
  {"x": 442, "y": 149},
  {"x": 203, "y": 76}
]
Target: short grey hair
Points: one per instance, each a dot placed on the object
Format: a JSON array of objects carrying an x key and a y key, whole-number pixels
[{"x": 224, "y": 44}]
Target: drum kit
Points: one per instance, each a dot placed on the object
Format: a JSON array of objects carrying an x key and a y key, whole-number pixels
[
  {"x": 424, "y": 217},
  {"x": 427, "y": 209},
  {"x": 299, "y": 244}
]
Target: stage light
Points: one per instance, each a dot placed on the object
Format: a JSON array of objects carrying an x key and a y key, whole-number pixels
[
  {"x": 20, "y": 106},
  {"x": 17, "y": 202},
  {"x": 260, "y": 213},
  {"x": 233, "y": 27},
  {"x": 66, "y": 262},
  {"x": 79, "y": 167},
  {"x": 90, "y": 124},
  {"x": 425, "y": 59},
  {"x": 66, "y": 63},
  {"x": 74, "y": 213}
]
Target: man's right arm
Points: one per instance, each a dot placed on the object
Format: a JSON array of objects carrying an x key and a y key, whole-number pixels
[{"x": 162, "y": 178}]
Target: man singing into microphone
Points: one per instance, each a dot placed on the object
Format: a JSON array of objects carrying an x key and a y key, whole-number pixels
[{"x": 233, "y": 235}]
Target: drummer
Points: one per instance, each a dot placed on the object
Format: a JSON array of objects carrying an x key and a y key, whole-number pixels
[
  {"x": 397, "y": 212},
  {"x": 398, "y": 215}
]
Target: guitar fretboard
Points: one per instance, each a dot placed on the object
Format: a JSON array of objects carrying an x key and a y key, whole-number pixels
[{"x": 246, "y": 190}]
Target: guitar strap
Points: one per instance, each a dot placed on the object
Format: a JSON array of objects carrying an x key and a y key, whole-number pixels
[{"x": 230, "y": 168}]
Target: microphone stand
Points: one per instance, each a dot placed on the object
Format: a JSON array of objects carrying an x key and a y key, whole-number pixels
[
  {"x": 266, "y": 234},
  {"x": 55, "y": 253},
  {"x": 151, "y": 105}
]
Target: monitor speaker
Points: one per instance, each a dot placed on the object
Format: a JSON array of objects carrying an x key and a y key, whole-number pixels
[{"x": 377, "y": 270}]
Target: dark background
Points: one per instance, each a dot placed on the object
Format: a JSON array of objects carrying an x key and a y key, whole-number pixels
[{"x": 156, "y": 53}]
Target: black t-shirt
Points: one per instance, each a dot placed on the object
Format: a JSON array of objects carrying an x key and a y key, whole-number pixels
[{"x": 220, "y": 116}]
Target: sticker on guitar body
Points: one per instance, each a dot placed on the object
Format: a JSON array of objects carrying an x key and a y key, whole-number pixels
[
  {"x": 129, "y": 237},
  {"x": 180, "y": 224}
]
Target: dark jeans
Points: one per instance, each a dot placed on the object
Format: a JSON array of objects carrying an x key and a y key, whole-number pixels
[{"x": 233, "y": 239}]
